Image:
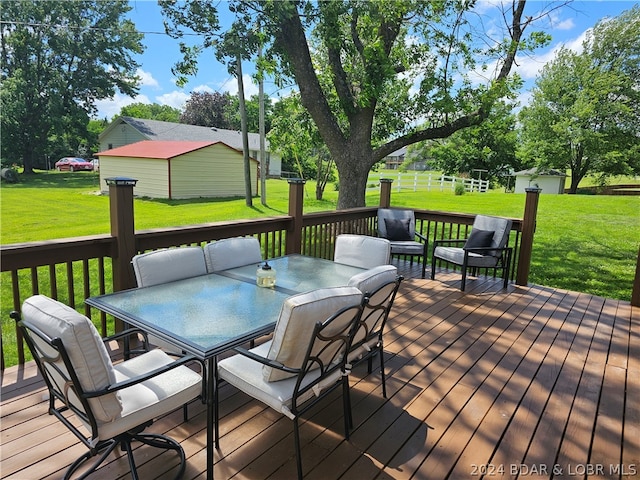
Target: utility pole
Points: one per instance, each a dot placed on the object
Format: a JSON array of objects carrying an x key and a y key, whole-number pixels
[{"x": 263, "y": 155}]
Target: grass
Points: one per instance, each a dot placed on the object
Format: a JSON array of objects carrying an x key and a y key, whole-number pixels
[{"x": 584, "y": 243}]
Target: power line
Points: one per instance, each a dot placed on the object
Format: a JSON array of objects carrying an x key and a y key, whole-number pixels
[{"x": 88, "y": 28}]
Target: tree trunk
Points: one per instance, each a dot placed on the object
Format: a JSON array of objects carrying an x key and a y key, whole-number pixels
[
  {"x": 353, "y": 173},
  {"x": 245, "y": 135},
  {"x": 575, "y": 181}
]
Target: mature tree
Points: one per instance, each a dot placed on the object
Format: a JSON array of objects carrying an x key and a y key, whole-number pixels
[
  {"x": 208, "y": 110},
  {"x": 151, "y": 111},
  {"x": 58, "y": 58},
  {"x": 297, "y": 139},
  {"x": 490, "y": 146},
  {"x": 372, "y": 47},
  {"x": 585, "y": 111},
  {"x": 374, "y": 54}
]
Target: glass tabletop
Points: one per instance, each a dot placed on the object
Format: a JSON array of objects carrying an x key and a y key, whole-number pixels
[
  {"x": 204, "y": 315},
  {"x": 298, "y": 273}
]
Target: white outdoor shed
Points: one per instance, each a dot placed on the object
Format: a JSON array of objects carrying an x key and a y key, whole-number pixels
[
  {"x": 550, "y": 181},
  {"x": 179, "y": 169}
]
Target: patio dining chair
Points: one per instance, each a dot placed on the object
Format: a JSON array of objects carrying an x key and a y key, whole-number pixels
[
  {"x": 362, "y": 251},
  {"x": 305, "y": 359},
  {"x": 114, "y": 403},
  {"x": 168, "y": 265},
  {"x": 380, "y": 286},
  {"x": 399, "y": 227},
  {"x": 164, "y": 266},
  {"x": 232, "y": 252},
  {"x": 486, "y": 247}
]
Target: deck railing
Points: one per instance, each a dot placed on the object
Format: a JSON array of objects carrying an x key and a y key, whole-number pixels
[{"x": 74, "y": 269}]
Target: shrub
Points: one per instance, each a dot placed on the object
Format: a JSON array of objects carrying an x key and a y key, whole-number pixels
[{"x": 459, "y": 189}]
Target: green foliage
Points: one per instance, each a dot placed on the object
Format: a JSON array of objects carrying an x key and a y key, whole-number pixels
[
  {"x": 58, "y": 58},
  {"x": 459, "y": 189},
  {"x": 595, "y": 235},
  {"x": 297, "y": 139},
  {"x": 585, "y": 112},
  {"x": 151, "y": 111},
  {"x": 355, "y": 63},
  {"x": 252, "y": 106},
  {"x": 196, "y": 17},
  {"x": 490, "y": 146},
  {"x": 208, "y": 110}
]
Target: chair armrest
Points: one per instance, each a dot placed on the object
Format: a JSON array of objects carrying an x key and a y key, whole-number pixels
[
  {"x": 265, "y": 361},
  {"x": 143, "y": 378},
  {"x": 421, "y": 236},
  {"x": 486, "y": 249},
  {"x": 450, "y": 241},
  {"x": 129, "y": 333},
  {"x": 126, "y": 333}
]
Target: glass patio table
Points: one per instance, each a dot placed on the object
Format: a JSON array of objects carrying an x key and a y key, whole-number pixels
[
  {"x": 299, "y": 273},
  {"x": 210, "y": 314}
]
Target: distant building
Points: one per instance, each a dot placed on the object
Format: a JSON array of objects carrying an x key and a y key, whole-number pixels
[
  {"x": 179, "y": 170},
  {"x": 397, "y": 158},
  {"x": 127, "y": 130},
  {"x": 550, "y": 181}
]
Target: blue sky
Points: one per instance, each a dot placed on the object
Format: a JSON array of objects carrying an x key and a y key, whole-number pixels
[{"x": 566, "y": 25}]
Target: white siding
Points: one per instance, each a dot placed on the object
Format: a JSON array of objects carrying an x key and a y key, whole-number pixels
[
  {"x": 152, "y": 174},
  {"x": 215, "y": 171},
  {"x": 121, "y": 135},
  {"x": 273, "y": 160},
  {"x": 550, "y": 184}
]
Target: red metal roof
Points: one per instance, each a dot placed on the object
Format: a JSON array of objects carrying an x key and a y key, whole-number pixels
[{"x": 156, "y": 149}]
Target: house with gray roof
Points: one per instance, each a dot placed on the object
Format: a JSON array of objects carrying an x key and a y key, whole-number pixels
[{"x": 127, "y": 130}]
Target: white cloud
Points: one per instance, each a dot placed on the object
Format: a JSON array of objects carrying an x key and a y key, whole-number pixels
[
  {"x": 203, "y": 89},
  {"x": 175, "y": 99},
  {"x": 146, "y": 79},
  {"x": 231, "y": 86},
  {"x": 111, "y": 107}
]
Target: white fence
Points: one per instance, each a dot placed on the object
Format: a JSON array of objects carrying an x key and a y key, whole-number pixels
[{"x": 431, "y": 181}]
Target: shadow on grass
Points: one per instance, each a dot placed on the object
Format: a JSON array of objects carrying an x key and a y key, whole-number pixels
[{"x": 53, "y": 179}]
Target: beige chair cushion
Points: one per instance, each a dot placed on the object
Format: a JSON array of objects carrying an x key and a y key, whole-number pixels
[
  {"x": 298, "y": 317},
  {"x": 168, "y": 265},
  {"x": 372, "y": 279},
  {"x": 154, "y": 397},
  {"x": 84, "y": 345},
  {"x": 245, "y": 374},
  {"x": 362, "y": 251},
  {"x": 232, "y": 252}
]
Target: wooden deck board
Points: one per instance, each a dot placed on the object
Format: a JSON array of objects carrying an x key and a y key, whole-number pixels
[{"x": 487, "y": 383}]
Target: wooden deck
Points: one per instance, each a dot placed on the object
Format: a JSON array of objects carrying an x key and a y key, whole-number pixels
[{"x": 528, "y": 382}]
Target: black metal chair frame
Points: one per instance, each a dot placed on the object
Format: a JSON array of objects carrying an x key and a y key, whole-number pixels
[
  {"x": 100, "y": 447},
  {"x": 503, "y": 260},
  {"x": 343, "y": 340},
  {"x": 381, "y": 309},
  {"x": 423, "y": 255}
]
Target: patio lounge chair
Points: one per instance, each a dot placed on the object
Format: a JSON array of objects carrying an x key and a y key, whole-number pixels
[
  {"x": 399, "y": 227},
  {"x": 486, "y": 247},
  {"x": 362, "y": 251},
  {"x": 114, "y": 403},
  {"x": 304, "y": 361}
]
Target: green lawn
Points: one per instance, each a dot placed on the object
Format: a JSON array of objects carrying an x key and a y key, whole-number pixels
[{"x": 583, "y": 243}]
